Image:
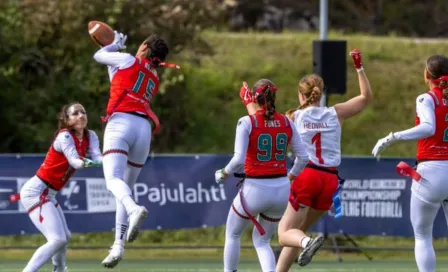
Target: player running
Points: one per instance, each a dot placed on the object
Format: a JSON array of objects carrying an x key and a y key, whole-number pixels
[
  {"x": 431, "y": 130},
  {"x": 313, "y": 189},
  {"x": 260, "y": 146},
  {"x": 72, "y": 144}
]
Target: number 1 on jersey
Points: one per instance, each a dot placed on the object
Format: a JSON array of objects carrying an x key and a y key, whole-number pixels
[{"x": 317, "y": 140}]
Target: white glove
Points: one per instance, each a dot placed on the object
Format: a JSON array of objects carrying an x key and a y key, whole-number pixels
[
  {"x": 87, "y": 163},
  {"x": 120, "y": 40},
  {"x": 383, "y": 143},
  {"x": 220, "y": 176}
]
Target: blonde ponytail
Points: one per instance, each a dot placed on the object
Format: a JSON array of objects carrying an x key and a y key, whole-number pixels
[
  {"x": 290, "y": 113},
  {"x": 314, "y": 97},
  {"x": 311, "y": 87}
]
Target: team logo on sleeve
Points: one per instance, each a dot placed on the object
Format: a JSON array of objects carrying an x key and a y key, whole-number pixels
[{"x": 421, "y": 99}]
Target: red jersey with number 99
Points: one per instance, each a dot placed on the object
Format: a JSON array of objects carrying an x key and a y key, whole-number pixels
[
  {"x": 436, "y": 146},
  {"x": 141, "y": 80},
  {"x": 268, "y": 140}
]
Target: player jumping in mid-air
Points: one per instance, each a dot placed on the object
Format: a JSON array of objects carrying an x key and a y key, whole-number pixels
[
  {"x": 127, "y": 138},
  {"x": 72, "y": 144},
  {"x": 260, "y": 145},
  {"x": 431, "y": 130},
  {"x": 313, "y": 189}
]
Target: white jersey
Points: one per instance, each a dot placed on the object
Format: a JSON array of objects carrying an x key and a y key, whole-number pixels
[{"x": 320, "y": 131}]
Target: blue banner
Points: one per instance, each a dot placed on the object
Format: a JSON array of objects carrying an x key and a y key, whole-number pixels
[{"x": 180, "y": 192}]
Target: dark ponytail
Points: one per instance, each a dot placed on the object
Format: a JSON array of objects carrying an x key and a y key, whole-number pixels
[
  {"x": 264, "y": 91},
  {"x": 158, "y": 50},
  {"x": 437, "y": 68}
]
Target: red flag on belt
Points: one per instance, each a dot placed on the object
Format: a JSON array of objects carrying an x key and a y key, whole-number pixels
[{"x": 405, "y": 170}]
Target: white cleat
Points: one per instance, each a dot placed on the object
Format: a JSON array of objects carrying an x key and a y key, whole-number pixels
[
  {"x": 116, "y": 253},
  {"x": 136, "y": 219}
]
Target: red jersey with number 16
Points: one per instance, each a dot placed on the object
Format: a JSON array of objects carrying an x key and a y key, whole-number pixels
[
  {"x": 268, "y": 140},
  {"x": 142, "y": 82},
  {"x": 436, "y": 146}
]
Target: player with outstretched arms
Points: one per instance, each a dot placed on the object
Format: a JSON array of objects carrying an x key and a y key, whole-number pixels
[
  {"x": 260, "y": 146},
  {"x": 430, "y": 192},
  {"x": 313, "y": 190},
  {"x": 72, "y": 144},
  {"x": 127, "y": 138}
]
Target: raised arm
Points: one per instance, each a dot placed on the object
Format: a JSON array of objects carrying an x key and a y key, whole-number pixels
[
  {"x": 357, "y": 104},
  {"x": 248, "y": 99},
  {"x": 110, "y": 56}
]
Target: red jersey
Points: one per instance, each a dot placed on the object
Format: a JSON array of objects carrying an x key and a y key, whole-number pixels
[
  {"x": 268, "y": 140},
  {"x": 436, "y": 146},
  {"x": 142, "y": 82},
  {"x": 56, "y": 170}
]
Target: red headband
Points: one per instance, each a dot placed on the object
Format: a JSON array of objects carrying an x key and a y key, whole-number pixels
[
  {"x": 261, "y": 89},
  {"x": 164, "y": 64},
  {"x": 439, "y": 80}
]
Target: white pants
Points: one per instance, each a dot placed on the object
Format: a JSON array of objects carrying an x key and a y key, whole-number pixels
[
  {"x": 126, "y": 147},
  {"x": 53, "y": 225},
  {"x": 267, "y": 198},
  {"x": 428, "y": 195}
]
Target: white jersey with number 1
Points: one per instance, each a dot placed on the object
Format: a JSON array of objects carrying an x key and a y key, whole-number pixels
[{"x": 320, "y": 131}]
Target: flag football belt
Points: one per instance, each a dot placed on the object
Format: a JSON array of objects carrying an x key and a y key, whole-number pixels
[
  {"x": 151, "y": 115},
  {"x": 239, "y": 185}
]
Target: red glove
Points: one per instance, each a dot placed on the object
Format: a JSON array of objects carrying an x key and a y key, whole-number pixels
[
  {"x": 356, "y": 56},
  {"x": 246, "y": 94}
]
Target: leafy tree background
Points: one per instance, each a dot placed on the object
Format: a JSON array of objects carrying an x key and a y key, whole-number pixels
[{"x": 46, "y": 56}]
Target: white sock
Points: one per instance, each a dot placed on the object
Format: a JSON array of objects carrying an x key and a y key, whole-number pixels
[
  {"x": 120, "y": 234},
  {"x": 305, "y": 241},
  {"x": 121, "y": 223}
]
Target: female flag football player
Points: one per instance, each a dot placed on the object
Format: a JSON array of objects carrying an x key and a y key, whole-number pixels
[
  {"x": 429, "y": 192},
  {"x": 313, "y": 189},
  {"x": 260, "y": 145},
  {"x": 127, "y": 138},
  {"x": 68, "y": 152}
]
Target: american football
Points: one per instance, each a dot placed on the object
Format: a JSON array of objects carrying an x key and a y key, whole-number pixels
[{"x": 101, "y": 33}]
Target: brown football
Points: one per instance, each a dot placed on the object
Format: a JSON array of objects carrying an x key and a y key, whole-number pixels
[{"x": 101, "y": 33}]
